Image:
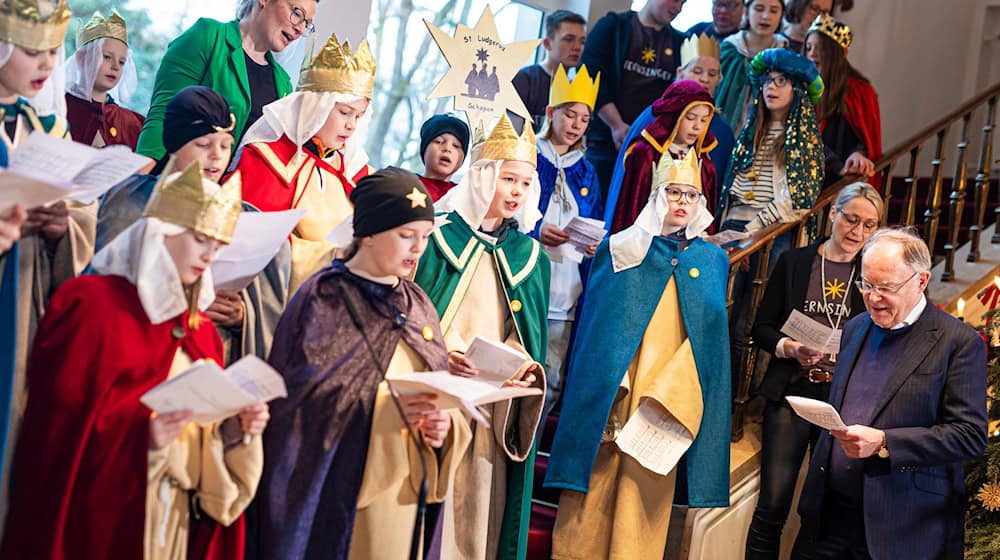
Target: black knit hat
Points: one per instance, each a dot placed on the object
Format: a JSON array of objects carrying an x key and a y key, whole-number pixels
[
  {"x": 389, "y": 198},
  {"x": 441, "y": 124},
  {"x": 192, "y": 112}
]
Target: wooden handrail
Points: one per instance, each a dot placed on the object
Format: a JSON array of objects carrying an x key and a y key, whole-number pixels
[{"x": 761, "y": 242}]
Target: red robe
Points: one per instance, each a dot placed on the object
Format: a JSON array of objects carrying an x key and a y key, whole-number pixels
[
  {"x": 271, "y": 185},
  {"x": 79, "y": 474},
  {"x": 115, "y": 124},
  {"x": 862, "y": 115},
  {"x": 436, "y": 188},
  {"x": 645, "y": 152}
]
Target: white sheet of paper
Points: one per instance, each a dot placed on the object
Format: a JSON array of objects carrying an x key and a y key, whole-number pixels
[
  {"x": 88, "y": 172},
  {"x": 584, "y": 232},
  {"x": 495, "y": 361},
  {"x": 654, "y": 438},
  {"x": 28, "y": 192},
  {"x": 213, "y": 394},
  {"x": 812, "y": 333},
  {"x": 820, "y": 413},
  {"x": 257, "y": 238},
  {"x": 454, "y": 392}
]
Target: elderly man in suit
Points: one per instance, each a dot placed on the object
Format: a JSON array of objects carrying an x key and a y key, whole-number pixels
[{"x": 910, "y": 383}]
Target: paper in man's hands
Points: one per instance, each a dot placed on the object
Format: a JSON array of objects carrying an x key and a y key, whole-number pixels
[
  {"x": 820, "y": 413},
  {"x": 811, "y": 333}
]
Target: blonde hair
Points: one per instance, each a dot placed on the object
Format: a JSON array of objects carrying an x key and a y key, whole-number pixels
[
  {"x": 856, "y": 190},
  {"x": 915, "y": 251},
  {"x": 547, "y": 128}
]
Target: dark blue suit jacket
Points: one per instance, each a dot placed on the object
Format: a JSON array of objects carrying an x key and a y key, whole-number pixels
[{"x": 933, "y": 412}]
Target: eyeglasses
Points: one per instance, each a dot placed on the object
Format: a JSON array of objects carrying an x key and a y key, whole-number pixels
[
  {"x": 854, "y": 221},
  {"x": 675, "y": 195},
  {"x": 815, "y": 9},
  {"x": 297, "y": 17},
  {"x": 730, "y": 5},
  {"x": 779, "y": 81},
  {"x": 866, "y": 287}
]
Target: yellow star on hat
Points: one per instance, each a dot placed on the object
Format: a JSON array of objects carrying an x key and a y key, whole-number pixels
[{"x": 417, "y": 198}]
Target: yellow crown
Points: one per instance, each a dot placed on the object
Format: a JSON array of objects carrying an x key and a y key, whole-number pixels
[
  {"x": 582, "y": 89},
  {"x": 182, "y": 201},
  {"x": 97, "y": 28},
  {"x": 337, "y": 69},
  {"x": 504, "y": 143},
  {"x": 687, "y": 171},
  {"x": 839, "y": 32},
  {"x": 699, "y": 45},
  {"x": 22, "y": 23}
]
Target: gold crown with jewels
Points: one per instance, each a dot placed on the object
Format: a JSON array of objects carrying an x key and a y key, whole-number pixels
[
  {"x": 833, "y": 29},
  {"x": 181, "y": 200},
  {"x": 28, "y": 25},
  {"x": 337, "y": 69}
]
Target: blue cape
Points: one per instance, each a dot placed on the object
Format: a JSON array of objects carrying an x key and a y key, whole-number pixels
[{"x": 607, "y": 339}]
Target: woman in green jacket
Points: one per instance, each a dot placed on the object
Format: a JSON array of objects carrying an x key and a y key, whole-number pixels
[{"x": 232, "y": 58}]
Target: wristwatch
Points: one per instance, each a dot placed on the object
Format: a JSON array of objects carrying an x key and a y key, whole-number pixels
[{"x": 883, "y": 452}]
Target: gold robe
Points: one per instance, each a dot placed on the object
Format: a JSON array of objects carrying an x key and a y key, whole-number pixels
[
  {"x": 224, "y": 481},
  {"x": 473, "y": 513},
  {"x": 387, "y": 501},
  {"x": 626, "y": 513}
]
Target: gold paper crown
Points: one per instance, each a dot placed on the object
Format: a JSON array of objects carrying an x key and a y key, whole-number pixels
[
  {"x": 113, "y": 27},
  {"x": 21, "y": 23},
  {"x": 183, "y": 202},
  {"x": 687, "y": 171},
  {"x": 582, "y": 89},
  {"x": 699, "y": 45},
  {"x": 337, "y": 69},
  {"x": 504, "y": 143},
  {"x": 839, "y": 32}
]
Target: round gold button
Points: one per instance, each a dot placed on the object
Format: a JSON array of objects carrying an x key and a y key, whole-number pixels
[
  {"x": 113, "y": 131},
  {"x": 515, "y": 305},
  {"x": 427, "y": 332},
  {"x": 584, "y": 191},
  {"x": 694, "y": 273}
]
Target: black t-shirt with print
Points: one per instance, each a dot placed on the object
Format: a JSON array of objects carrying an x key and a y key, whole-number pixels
[{"x": 648, "y": 68}]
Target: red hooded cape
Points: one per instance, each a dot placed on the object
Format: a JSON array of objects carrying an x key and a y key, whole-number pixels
[
  {"x": 862, "y": 114},
  {"x": 79, "y": 473},
  {"x": 655, "y": 139},
  {"x": 116, "y": 124}
]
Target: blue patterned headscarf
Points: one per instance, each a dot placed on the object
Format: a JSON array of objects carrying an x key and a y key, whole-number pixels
[{"x": 804, "y": 161}]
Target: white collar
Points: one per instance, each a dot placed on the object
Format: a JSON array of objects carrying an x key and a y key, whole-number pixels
[
  {"x": 914, "y": 314},
  {"x": 547, "y": 150}
]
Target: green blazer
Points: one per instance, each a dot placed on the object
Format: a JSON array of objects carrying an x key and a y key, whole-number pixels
[{"x": 209, "y": 53}]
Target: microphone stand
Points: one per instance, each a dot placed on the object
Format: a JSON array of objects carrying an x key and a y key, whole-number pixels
[{"x": 422, "y": 494}]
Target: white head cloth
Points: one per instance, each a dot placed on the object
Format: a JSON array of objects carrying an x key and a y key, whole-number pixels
[
  {"x": 299, "y": 116},
  {"x": 472, "y": 198},
  {"x": 629, "y": 247},
  {"x": 83, "y": 66}
]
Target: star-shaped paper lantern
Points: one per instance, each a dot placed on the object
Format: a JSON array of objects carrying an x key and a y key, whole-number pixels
[
  {"x": 417, "y": 198},
  {"x": 481, "y": 70}
]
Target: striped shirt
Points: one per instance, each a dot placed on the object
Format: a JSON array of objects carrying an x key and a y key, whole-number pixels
[{"x": 753, "y": 191}]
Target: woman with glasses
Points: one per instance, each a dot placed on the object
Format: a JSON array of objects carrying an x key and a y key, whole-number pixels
[
  {"x": 234, "y": 58},
  {"x": 667, "y": 367},
  {"x": 819, "y": 281},
  {"x": 848, "y": 113},
  {"x": 760, "y": 32}
]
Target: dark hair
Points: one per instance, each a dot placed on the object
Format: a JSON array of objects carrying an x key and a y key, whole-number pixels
[
  {"x": 746, "y": 15},
  {"x": 794, "y": 8},
  {"x": 760, "y": 134},
  {"x": 836, "y": 70},
  {"x": 559, "y": 17}
]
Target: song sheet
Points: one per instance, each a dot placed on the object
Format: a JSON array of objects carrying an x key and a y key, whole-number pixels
[
  {"x": 257, "y": 238},
  {"x": 455, "y": 392},
  {"x": 812, "y": 333},
  {"x": 654, "y": 438},
  {"x": 495, "y": 361},
  {"x": 820, "y": 413}
]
